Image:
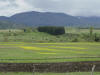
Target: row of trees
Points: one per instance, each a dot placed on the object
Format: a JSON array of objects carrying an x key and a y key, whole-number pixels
[
  {"x": 52, "y": 30},
  {"x": 89, "y": 36}
]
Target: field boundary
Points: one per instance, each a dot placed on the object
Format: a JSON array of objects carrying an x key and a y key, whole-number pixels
[
  {"x": 50, "y": 67},
  {"x": 52, "y": 58}
]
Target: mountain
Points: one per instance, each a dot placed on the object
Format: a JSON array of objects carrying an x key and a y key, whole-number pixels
[
  {"x": 40, "y": 18},
  {"x": 37, "y": 18},
  {"x": 34, "y": 18},
  {"x": 10, "y": 25},
  {"x": 92, "y": 20},
  {"x": 2, "y": 18}
]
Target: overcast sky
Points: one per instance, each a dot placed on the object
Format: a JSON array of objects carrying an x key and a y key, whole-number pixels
[{"x": 72, "y": 7}]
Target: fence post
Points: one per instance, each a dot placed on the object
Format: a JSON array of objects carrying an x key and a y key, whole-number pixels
[
  {"x": 33, "y": 69},
  {"x": 93, "y": 69}
]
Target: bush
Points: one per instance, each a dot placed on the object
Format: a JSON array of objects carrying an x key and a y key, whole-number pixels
[
  {"x": 97, "y": 38},
  {"x": 27, "y": 30},
  {"x": 52, "y": 30},
  {"x": 75, "y": 40}
]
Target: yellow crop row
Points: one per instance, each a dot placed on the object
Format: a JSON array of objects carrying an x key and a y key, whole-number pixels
[
  {"x": 67, "y": 47},
  {"x": 46, "y": 53},
  {"x": 47, "y": 49},
  {"x": 36, "y": 48},
  {"x": 79, "y": 43}
]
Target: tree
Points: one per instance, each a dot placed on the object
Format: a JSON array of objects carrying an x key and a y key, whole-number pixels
[
  {"x": 91, "y": 33},
  {"x": 97, "y": 38}
]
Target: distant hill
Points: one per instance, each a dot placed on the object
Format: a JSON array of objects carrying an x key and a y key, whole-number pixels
[
  {"x": 48, "y": 18},
  {"x": 10, "y": 25},
  {"x": 93, "y": 20}
]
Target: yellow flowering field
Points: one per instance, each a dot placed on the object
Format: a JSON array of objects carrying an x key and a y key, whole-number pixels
[{"x": 42, "y": 52}]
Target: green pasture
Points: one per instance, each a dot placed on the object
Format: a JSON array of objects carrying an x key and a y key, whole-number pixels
[
  {"x": 21, "y": 52},
  {"x": 73, "y": 73},
  {"x": 79, "y": 30},
  {"x": 71, "y": 35}
]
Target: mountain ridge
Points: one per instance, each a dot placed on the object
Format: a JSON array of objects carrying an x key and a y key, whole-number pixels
[{"x": 35, "y": 18}]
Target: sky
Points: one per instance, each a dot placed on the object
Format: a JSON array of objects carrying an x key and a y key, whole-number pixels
[{"x": 71, "y": 7}]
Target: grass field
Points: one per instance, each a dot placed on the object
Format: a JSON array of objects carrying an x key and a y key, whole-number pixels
[
  {"x": 71, "y": 35},
  {"x": 74, "y": 73},
  {"x": 21, "y": 52}
]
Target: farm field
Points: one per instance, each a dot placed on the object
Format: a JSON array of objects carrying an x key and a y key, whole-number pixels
[
  {"x": 21, "y": 52},
  {"x": 71, "y": 35},
  {"x": 79, "y": 31},
  {"x": 73, "y": 73}
]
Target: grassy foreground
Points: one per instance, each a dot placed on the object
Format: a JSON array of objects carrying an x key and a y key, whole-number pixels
[
  {"x": 74, "y": 73},
  {"x": 20, "y": 52}
]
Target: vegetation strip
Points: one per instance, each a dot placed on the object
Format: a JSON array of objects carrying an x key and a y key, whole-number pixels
[
  {"x": 49, "y": 73},
  {"x": 51, "y": 58}
]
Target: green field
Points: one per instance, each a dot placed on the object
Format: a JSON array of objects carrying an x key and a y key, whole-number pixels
[
  {"x": 20, "y": 52},
  {"x": 79, "y": 31},
  {"x": 74, "y": 73},
  {"x": 71, "y": 35}
]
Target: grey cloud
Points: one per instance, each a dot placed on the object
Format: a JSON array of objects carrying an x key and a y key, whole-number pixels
[{"x": 72, "y": 7}]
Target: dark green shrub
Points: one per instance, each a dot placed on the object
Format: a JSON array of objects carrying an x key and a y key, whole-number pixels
[
  {"x": 97, "y": 38},
  {"x": 75, "y": 40}
]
